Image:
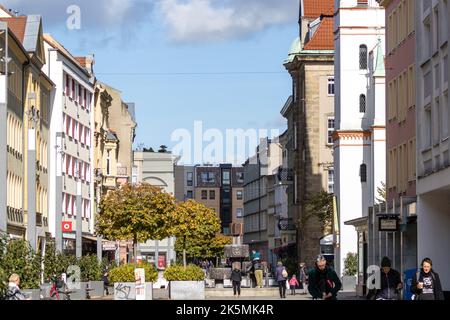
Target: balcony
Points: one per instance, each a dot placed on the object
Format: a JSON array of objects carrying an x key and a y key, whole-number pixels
[
  {"x": 14, "y": 215},
  {"x": 286, "y": 224},
  {"x": 285, "y": 175}
]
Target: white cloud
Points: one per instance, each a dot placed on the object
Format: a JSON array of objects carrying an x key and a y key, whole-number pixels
[{"x": 217, "y": 20}]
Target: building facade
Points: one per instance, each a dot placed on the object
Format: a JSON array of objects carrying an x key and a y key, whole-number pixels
[
  {"x": 72, "y": 188},
  {"x": 157, "y": 169},
  {"x": 359, "y": 137},
  {"x": 310, "y": 115},
  {"x": 432, "y": 123}
]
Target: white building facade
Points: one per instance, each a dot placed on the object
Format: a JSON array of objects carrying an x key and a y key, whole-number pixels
[
  {"x": 359, "y": 137},
  {"x": 433, "y": 143},
  {"x": 71, "y": 151},
  {"x": 157, "y": 169}
]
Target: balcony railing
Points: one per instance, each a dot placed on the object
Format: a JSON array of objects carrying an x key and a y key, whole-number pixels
[
  {"x": 285, "y": 175},
  {"x": 14, "y": 215}
]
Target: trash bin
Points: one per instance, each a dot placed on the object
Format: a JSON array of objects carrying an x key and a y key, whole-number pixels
[{"x": 408, "y": 276}]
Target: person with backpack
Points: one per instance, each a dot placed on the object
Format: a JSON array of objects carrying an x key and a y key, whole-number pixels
[
  {"x": 236, "y": 278},
  {"x": 323, "y": 281},
  {"x": 281, "y": 275},
  {"x": 14, "y": 292},
  {"x": 426, "y": 285}
]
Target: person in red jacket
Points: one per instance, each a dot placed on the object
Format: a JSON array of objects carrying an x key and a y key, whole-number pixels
[{"x": 293, "y": 283}]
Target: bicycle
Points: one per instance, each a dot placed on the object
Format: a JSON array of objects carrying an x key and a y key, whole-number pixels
[{"x": 56, "y": 290}]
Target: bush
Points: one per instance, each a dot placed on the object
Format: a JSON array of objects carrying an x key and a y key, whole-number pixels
[
  {"x": 17, "y": 256},
  {"x": 180, "y": 273},
  {"x": 125, "y": 273},
  {"x": 89, "y": 268},
  {"x": 351, "y": 264},
  {"x": 56, "y": 263}
]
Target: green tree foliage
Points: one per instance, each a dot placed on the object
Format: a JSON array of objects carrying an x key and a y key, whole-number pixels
[
  {"x": 184, "y": 273},
  {"x": 90, "y": 268},
  {"x": 17, "y": 256},
  {"x": 139, "y": 212},
  {"x": 320, "y": 205},
  {"x": 381, "y": 193},
  {"x": 351, "y": 264},
  {"x": 55, "y": 263},
  {"x": 203, "y": 248},
  {"x": 125, "y": 273},
  {"x": 194, "y": 223}
]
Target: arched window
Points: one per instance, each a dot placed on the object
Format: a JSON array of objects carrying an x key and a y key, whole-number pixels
[
  {"x": 363, "y": 172},
  {"x": 362, "y": 103},
  {"x": 363, "y": 56}
]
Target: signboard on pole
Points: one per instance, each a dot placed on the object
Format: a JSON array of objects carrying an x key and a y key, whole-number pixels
[
  {"x": 66, "y": 226},
  {"x": 139, "y": 276}
]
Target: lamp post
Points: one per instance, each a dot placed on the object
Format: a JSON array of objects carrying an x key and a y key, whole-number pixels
[
  {"x": 79, "y": 220},
  {"x": 3, "y": 130},
  {"x": 58, "y": 192},
  {"x": 33, "y": 115}
]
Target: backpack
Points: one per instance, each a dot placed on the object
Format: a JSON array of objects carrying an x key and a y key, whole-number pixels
[{"x": 284, "y": 273}]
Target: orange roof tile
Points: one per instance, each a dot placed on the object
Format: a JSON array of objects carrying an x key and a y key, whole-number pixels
[
  {"x": 315, "y": 8},
  {"x": 17, "y": 26},
  {"x": 81, "y": 60},
  {"x": 323, "y": 37}
]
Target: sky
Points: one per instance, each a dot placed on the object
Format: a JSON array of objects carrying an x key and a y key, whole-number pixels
[{"x": 181, "y": 61}]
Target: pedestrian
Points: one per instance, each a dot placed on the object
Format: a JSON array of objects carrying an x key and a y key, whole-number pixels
[
  {"x": 281, "y": 275},
  {"x": 323, "y": 282},
  {"x": 303, "y": 278},
  {"x": 293, "y": 283},
  {"x": 13, "y": 292},
  {"x": 390, "y": 283},
  {"x": 257, "y": 266},
  {"x": 426, "y": 285},
  {"x": 105, "y": 280},
  {"x": 236, "y": 278}
]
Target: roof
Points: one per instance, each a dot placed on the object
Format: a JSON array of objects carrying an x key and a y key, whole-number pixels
[
  {"x": 323, "y": 38},
  {"x": 111, "y": 136},
  {"x": 32, "y": 29},
  {"x": 81, "y": 60},
  {"x": 131, "y": 110},
  {"x": 379, "y": 64},
  {"x": 315, "y": 8},
  {"x": 17, "y": 25},
  {"x": 56, "y": 45}
]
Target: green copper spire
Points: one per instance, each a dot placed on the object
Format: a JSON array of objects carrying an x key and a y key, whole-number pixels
[{"x": 379, "y": 64}]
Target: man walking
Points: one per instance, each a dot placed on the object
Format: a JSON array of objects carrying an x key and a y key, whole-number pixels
[{"x": 258, "y": 273}]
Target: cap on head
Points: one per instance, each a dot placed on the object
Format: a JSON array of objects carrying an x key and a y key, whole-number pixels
[{"x": 385, "y": 262}]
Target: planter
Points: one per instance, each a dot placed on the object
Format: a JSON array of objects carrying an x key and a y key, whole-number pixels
[
  {"x": 349, "y": 283},
  {"x": 45, "y": 290},
  {"x": 98, "y": 288},
  {"x": 79, "y": 294},
  {"x": 34, "y": 294},
  {"x": 127, "y": 291},
  {"x": 187, "y": 290}
]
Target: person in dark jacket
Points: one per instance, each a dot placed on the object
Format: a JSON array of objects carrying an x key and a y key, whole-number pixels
[
  {"x": 281, "y": 275},
  {"x": 390, "y": 283},
  {"x": 236, "y": 278},
  {"x": 323, "y": 282},
  {"x": 426, "y": 285}
]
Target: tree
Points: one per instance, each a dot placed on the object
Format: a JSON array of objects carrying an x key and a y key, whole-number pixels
[
  {"x": 381, "y": 193},
  {"x": 203, "y": 248},
  {"x": 351, "y": 264},
  {"x": 194, "y": 222},
  {"x": 139, "y": 212},
  {"x": 320, "y": 204}
]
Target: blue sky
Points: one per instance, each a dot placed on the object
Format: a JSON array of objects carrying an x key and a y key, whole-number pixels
[{"x": 216, "y": 61}]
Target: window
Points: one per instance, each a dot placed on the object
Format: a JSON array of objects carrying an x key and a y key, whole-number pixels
[
  {"x": 190, "y": 194},
  {"x": 84, "y": 98},
  {"x": 80, "y": 94},
  {"x": 295, "y": 137},
  {"x": 331, "y": 180},
  {"x": 363, "y": 172},
  {"x": 240, "y": 177},
  {"x": 67, "y": 85},
  {"x": 427, "y": 134},
  {"x": 189, "y": 179},
  {"x": 208, "y": 177},
  {"x": 445, "y": 117},
  {"x": 362, "y": 103},
  {"x": 331, "y": 86},
  {"x": 294, "y": 90},
  {"x": 330, "y": 130},
  {"x": 363, "y": 57},
  {"x": 73, "y": 89},
  {"x": 204, "y": 194},
  {"x": 80, "y": 132},
  {"x": 239, "y": 212},
  {"x": 212, "y": 194},
  {"x": 239, "y": 195},
  {"x": 226, "y": 177},
  {"x": 108, "y": 162}
]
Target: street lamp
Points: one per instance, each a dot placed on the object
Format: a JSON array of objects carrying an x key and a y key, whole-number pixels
[{"x": 33, "y": 118}]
